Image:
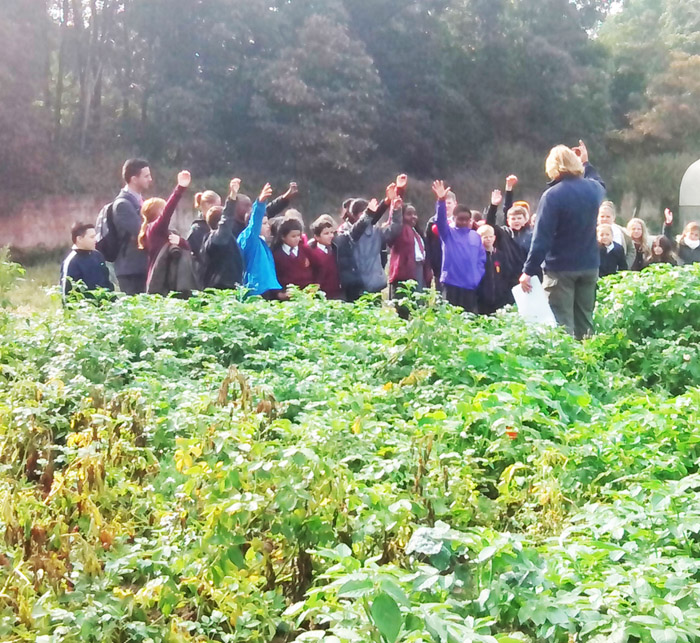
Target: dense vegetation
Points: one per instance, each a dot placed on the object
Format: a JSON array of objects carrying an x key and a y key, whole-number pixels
[
  {"x": 226, "y": 470},
  {"x": 341, "y": 94}
]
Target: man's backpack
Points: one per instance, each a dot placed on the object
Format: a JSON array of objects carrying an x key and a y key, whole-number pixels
[{"x": 107, "y": 238}]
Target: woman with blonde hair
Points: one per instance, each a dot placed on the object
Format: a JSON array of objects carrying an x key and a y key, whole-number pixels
[
  {"x": 565, "y": 238},
  {"x": 639, "y": 234}
]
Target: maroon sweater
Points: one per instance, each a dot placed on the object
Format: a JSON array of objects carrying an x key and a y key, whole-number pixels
[
  {"x": 402, "y": 260},
  {"x": 293, "y": 270},
  {"x": 158, "y": 231},
  {"x": 325, "y": 270}
]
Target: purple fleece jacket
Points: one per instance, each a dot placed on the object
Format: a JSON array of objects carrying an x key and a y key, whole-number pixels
[{"x": 463, "y": 254}]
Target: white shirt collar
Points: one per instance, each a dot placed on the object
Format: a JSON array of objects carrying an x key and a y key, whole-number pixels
[
  {"x": 611, "y": 247},
  {"x": 288, "y": 250},
  {"x": 323, "y": 247}
]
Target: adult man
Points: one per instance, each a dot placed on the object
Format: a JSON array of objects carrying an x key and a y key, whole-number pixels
[
  {"x": 131, "y": 264},
  {"x": 565, "y": 238}
]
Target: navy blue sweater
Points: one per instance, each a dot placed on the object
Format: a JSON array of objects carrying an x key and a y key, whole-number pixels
[
  {"x": 565, "y": 234},
  {"x": 86, "y": 266}
]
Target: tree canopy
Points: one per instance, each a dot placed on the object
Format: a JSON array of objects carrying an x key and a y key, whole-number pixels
[{"x": 332, "y": 91}]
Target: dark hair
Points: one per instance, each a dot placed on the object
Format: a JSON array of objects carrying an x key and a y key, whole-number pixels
[
  {"x": 79, "y": 230},
  {"x": 288, "y": 224},
  {"x": 320, "y": 224},
  {"x": 133, "y": 168},
  {"x": 358, "y": 206},
  {"x": 346, "y": 203},
  {"x": 667, "y": 255},
  {"x": 461, "y": 209}
]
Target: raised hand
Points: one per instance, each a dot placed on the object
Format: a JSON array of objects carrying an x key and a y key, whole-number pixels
[
  {"x": 390, "y": 192},
  {"x": 373, "y": 205},
  {"x": 174, "y": 239},
  {"x": 233, "y": 187},
  {"x": 292, "y": 191},
  {"x": 668, "y": 217},
  {"x": 582, "y": 151},
  {"x": 496, "y": 197},
  {"x": 184, "y": 179},
  {"x": 265, "y": 194},
  {"x": 440, "y": 190},
  {"x": 397, "y": 203},
  {"x": 401, "y": 181},
  {"x": 511, "y": 182}
]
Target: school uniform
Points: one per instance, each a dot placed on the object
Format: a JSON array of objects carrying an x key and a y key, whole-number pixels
[
  {"x": 324, "y": 266},
  {"x": 86, "y": 266},
  {"x": 293, "y": 266},
  {"x": 612, "y": 259}
]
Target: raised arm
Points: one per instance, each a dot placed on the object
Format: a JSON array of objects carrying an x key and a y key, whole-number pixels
[
  {"x": 441, "y": 190},
  {"x": 511, "y": 182},
  {"x": 668, "y": 226},
  {"x": 281, "y": 203},
  {"x": 254, "y": 228},
  {"x": 393, "y": 231},
  {"x": 162, "y": 223}
]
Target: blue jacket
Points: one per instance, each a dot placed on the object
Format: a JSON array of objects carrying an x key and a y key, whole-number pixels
[
  {"x": 565, "y": 233},
  {"x": 87, "y": 267},
  {"x": 260, "y": 274}
]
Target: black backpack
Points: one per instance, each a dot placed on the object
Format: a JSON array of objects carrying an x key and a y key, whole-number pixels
[{"x": 107, "y": 238}]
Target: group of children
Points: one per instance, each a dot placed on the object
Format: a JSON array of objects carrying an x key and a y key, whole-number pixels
[
  {"x": 262, "y": 245},
  {"x": 632, "y": 248}
]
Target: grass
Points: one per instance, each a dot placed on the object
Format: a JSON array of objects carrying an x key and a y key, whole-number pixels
[{"x": 32, "y": 292}]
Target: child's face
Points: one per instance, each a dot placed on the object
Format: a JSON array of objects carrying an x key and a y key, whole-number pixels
[
  {"x": 293, "y": 238},
  {"x": 463, "y": 220},
  {"x": 604, "y": 237},
  {"x": 410, "y": 216},
  {"x": 325, "y": 237},
  {"x": 88, "y": 241},
  {"x": 636, "y": 231},
  {"x": 693, "y": 234},
  {"x": 605, "y": 216},
  {"x": 450, "y": 204},
  {"x": 488, "y": 238},
  {"x": 516, "y": 221},
  {"x": 265, "y": 229},
  {"x": 657, "y": 249}
]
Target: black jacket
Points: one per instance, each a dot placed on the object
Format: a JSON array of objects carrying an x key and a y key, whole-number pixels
[
  {"x": 612, "y": 261},
  {"x": 86, "y": 267},
  {"x": 173, "y": 271},
  {"x": 198, "y": 233},
  {"x": 223, "y": 261},
  {"x": 494, "y": 291}
]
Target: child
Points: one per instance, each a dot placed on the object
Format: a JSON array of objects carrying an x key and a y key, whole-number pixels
[
  {"x": 689, "y": 244},
  {"x": 203, "y": 202},
  {"x": 407, "y": 259},
  {"x": 221, "y": 256},
  {"x": 260, "y": 274},
  {"x": 156, "y": 215},
  {"x": 463, "y": 255},
  {"x": 606, "y": 214},
  {"x": 84, "y": 264},
  {"x": 662, "y": 251},
  {"x": 291, "y": 256},
  {"x": 637, "y": 230},
  {"x": 494, "y": 291},
  {"x": 510, "y": 238},
  {"x": 612, "y": 254},
  {"x": 322, "y": 254},
  {"x": 433, "y": 245}
]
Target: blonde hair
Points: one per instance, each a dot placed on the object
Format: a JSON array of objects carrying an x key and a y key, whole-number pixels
[
  {"x": 562, "y": 161},
  {"x": 608, "y": 205},
  {"x": 213, "y": 216},
  {"x": 150, "y": 211},
  {"x": 518, "y": 209},
  {"x": 486, "y": 229},
  {"x": 205, "y": 200},
  {"x": 690, "y": 227},
  {"x": 645, "y": 234},
  {"x": 605, "y": 226}
]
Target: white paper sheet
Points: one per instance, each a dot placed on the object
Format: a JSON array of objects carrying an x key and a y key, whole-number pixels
[{"x": 534, "y": 306}]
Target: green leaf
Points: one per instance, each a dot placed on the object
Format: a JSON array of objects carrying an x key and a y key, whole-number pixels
[
  {"x": 387, "y": 617},
  {"x": 356, "y": 588},
  {"x": 664, "y": 636}
]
